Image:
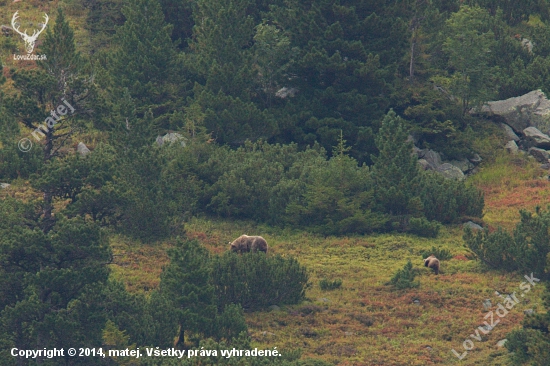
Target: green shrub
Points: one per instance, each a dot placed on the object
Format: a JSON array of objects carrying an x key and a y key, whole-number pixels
[
  {"x": 422, "y": 227},
  {"x": 258, "y": 180},
  {"x": 338, "y": 199},
  {"x": 446, "y": 200},
  {"x": 230, "y": 323},
  {"x": 255, "y": 280},
  {"x": 404, "y": 278},
  {"x": 526, "y": 250},
  {"x": 532, "y": 342},
  {"x": 441, "y": 254},
  {"x": 327, "y": 285}
]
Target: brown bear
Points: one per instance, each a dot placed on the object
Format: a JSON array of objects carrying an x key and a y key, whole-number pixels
[
  {"x": 245, "y": 243},
  {"x": 258, "y": 244},
  {"x": 433, "y": 263}
]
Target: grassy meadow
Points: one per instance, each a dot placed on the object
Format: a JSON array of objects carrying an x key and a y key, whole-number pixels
[{"x": 365, "y": 321}]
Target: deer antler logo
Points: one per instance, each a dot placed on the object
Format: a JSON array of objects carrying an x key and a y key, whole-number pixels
[{"x": 29, "y": 40}]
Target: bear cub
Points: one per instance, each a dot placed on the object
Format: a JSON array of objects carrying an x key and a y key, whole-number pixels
[{"x": 433, "y": 263}]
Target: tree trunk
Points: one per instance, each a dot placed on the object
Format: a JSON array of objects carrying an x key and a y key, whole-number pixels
[
  {"x": 48, "y": 221},
  {"x": 180, "y": 342}
]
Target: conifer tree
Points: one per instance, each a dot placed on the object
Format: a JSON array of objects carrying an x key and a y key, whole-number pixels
[
  {"x": 343, "y": 66},
  {"x": 49, "y": 281},
  {"x": 60, "y": 80},
  {"x": 63, "y": 61},
  {"x": 144, "y": 58},
  {"x": 179, "y": 13},
  {"x": 222, "y": 62},
  {"x": 186, "y": 281},
  {"x": 395, "y": 169}
]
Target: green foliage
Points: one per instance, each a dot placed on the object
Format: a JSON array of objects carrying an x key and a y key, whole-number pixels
[
  {"x": 447, "y": 200},
  {"x": 50, "y": 287},
  {"x": 179, "y": 14},
  {"x": 15, "y": 163},
  {"x": 327, "y": 285},
  {"x": 526, "y": 250},
  {"x": 531, "y": 344},
  {"x": 422, "y": 227},
  {"x": 64, "y": 61},
  {"x": 144, "y": 60},
  {"x": 271, "y": 56},
  {"x": 186, "y": 283},
  {"x": 343, "y": 62},
  {"x": 469, "y": 41},
  {"x": 256, "y": 181},
  {"x": 102, "y": 19},
  {"x": 404, "y": 278},
  {"x": 395, "y": 169},
  {"x": 230, "y": 323},
  {"x": 338, "y": 199},
  {"x": 441, "y": 254},
  {"x": 257, "y": 281}
]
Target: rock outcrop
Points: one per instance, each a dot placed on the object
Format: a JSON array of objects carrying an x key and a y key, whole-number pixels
[
  {"x": 537, "y": 138},
  {"x": 512, "y": 147},
  {"x": 171, "y": 137},
  {"x": 82, "y": 149},
  {"x": 509, "y": 132},
  {"x": 541, "y": 155},
  {"x": 450, "y": 171},
  {"x": 529, "y": 110}
]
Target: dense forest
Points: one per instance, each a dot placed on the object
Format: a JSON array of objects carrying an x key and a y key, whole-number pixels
[{"x": 294, "y": 115}]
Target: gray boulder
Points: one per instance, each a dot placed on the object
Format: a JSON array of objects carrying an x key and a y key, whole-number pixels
[
  {"x": 170, "y": 137},
  {"x": 539, "y": 139},
  {"x": 487, "y": 305},
  {"x": 527, "y": 44},
  {"x": 4, "y": 185},
  {"x": 82, "y": 149},
  {"x": 476, "y": 159},
  {"x": 472, "y": 225},
  {"x": 512, "y": 147},
  {"x": 431, "y": 157},
  {"x": 463, "y": 165},
  {"x": 286, "y": 92},
  {"x": 450, "y": 171},
  {"x": 509, "y": 132},
  {"x": 529, "y": 110},
  {"x": 541, "y": 155},
  {"x": 425, "y": 165},
  {"x": 502, "y": 342},
  {"x": 6, "y": 31}
]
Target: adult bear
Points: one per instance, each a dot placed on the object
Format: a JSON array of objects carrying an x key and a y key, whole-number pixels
[
  {"x": 433, "y": 263},
  {"x": 245, "y": 244}
]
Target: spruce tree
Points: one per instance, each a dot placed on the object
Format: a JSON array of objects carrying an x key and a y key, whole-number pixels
[
  {"x": 395, "y": 170},
  {"x": 49, "y": 281},
  {"x": 63, "y": 61},
  {"x": 186, "y": 282},
  {"x": 343, "y": 63},
  {"x": 179, "y": 13},
  {"x": 222, "y": 62},
  {"x": 144, "y": 59}
]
